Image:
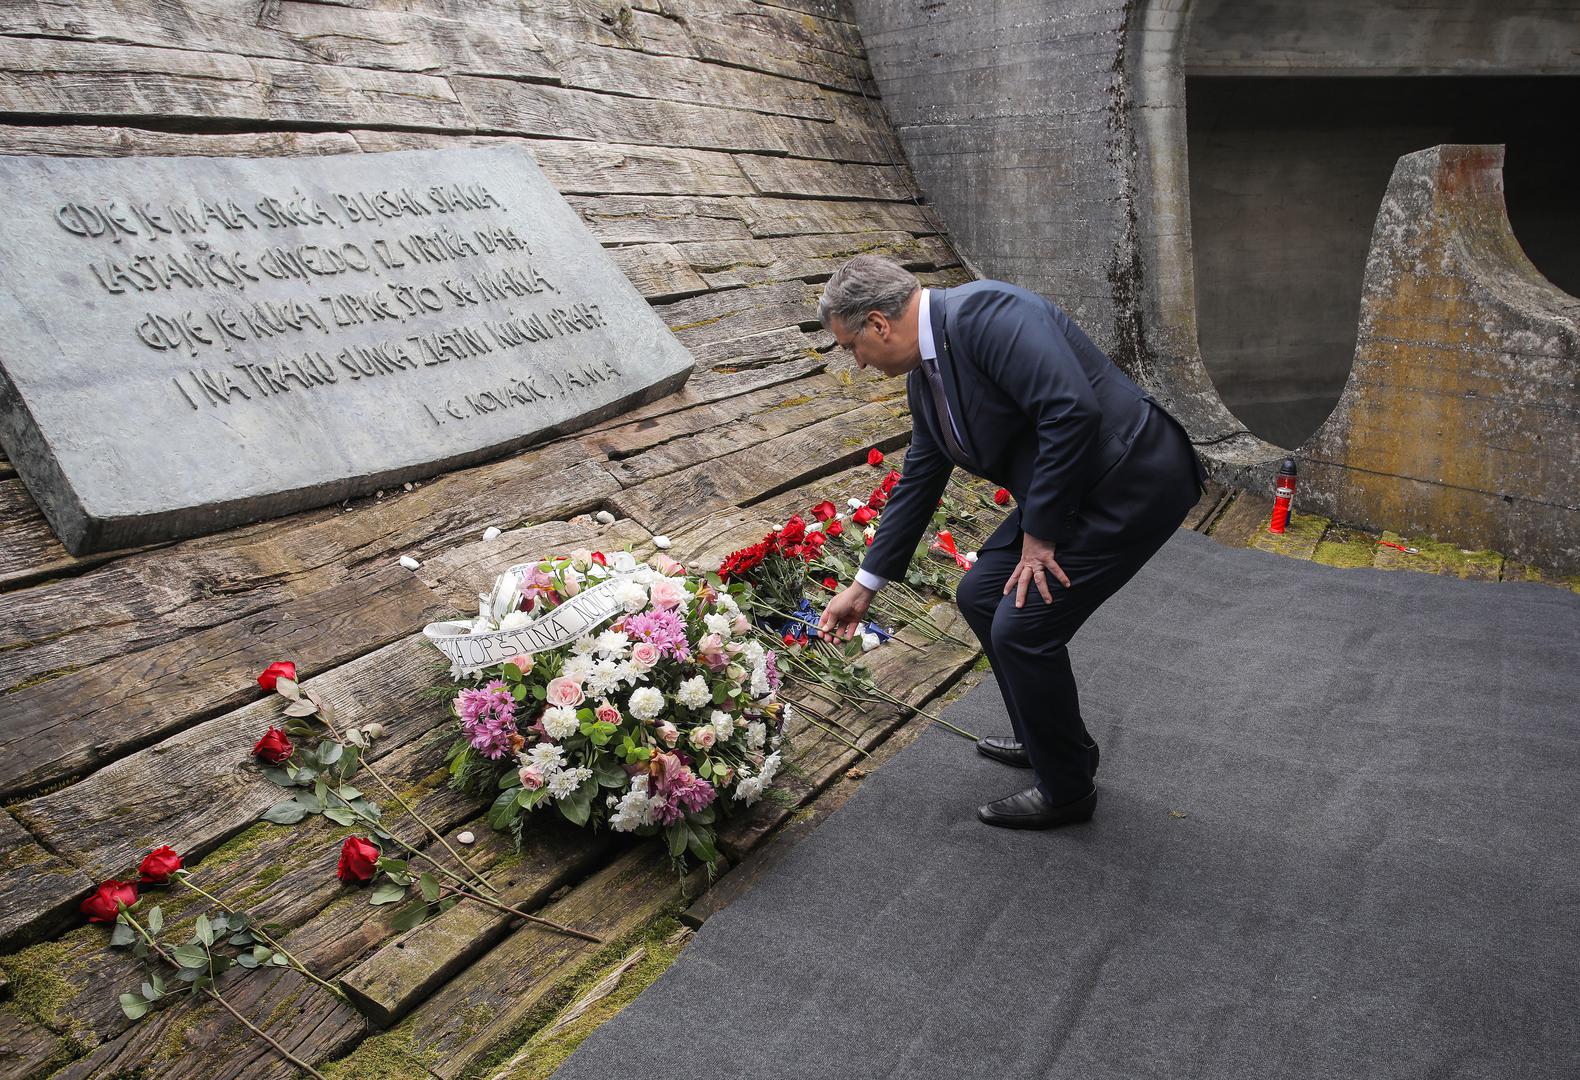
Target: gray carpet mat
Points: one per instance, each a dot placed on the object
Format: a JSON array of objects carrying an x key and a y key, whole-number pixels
[{"x": 1336, "y": 837}]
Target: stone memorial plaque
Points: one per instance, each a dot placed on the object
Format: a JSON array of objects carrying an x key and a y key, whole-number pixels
[{"x": 188, "y": 344}]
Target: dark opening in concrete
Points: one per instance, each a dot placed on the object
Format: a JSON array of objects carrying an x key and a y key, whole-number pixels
[{"x": 1286, "y": 175}]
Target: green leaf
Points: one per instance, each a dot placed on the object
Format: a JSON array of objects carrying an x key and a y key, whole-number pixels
[
  {"x": 721, "y": 693},
  {"x": 280, "y": 960},
  {"x": 340, "y": 815},
  {"x": 511, "y": 672},
  {"x": 349, "y": 763},
  {"x": 243, "y": 938},
  {"x": 287, "y": 688},
  {"x": 519, "y": 691},
  {"x": 238, "y": 920},
  {"x": 701, "y": 844},
  {"x": 329, "y": 752},
  {"x": 409, "y": 917},
  {"x": 122, "y": 935},
  {"x": 159, "y": 983},
  {"x": 191, "y": 956},
  {"x": 577, "y": 806},
  {"x": 430, "y": 887},
  {"x": 609, "y": 773},
  {"x": 447, "y": 903},
  {"x": 245, "y": 960},
  {"x": 221, "y": 923},
  {"x": 387, "y": 892},
  {"x": 286, "y": 813},
  {"x": 540, "y": 692},
  {"x": 705, "y": 770},
  {"x": 503, "y": 812},
  {"x": 280, "y": 777},
  {"x": 348, "y": 793},
  {"x": 140, "y": 950},
  {"x": 309, "y": 801},
  {"x": 156, "y": 919},
  {"x": 391, "y": 864},
  {"x": 133, "y": 1006},
  {"x": 509, "y": 778},
  {"x": 300, "y": 709},
  {"x": 528, "y": 799},
  {"x": 678, "y": 836},
  {"x": 261, "y": 954},
  {"x": 203, "y": 930}
]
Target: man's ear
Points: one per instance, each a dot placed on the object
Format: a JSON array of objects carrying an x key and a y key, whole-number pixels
[{"x": 880, "y": 324}]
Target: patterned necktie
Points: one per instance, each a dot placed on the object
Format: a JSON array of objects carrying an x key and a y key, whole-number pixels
[{"x": 946, "y": 422}]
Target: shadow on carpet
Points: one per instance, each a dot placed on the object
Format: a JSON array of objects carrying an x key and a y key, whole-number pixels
[{"x": 1336, "y": 837}]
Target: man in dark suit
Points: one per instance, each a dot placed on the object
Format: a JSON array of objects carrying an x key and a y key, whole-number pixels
[{"x": 1003, "y": 384}]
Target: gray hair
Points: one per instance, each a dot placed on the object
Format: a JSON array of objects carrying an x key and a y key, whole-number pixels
[{"x": 866, "y": 283}]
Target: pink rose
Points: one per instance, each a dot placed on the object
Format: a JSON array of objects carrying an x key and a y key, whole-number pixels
[
  {"x": 573, "y": 581},
  {"x": 522, "y": 661},
  {"x": 666, "y": 594},
  {"x": 567, "y": 692},
  {"x": 711, "y": 648},
  {"x": 608, "y": 713},
  {"x": 644, "y": 654},
  {"x": 741, "y": 625},
  {"x": 722, "y": 777},
  {"x": 532, "y": 778},
  {"x": 669, "y": 566},
  {"x": 703, "y": 738},
  {"x": 668, "y": 733}
]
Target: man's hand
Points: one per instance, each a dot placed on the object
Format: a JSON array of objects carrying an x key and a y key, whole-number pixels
[
  {"x": 1036, "y": 566},
  {"x": 846, "y": 612}
]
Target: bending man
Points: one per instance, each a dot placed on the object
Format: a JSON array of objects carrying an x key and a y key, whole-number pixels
[{"x": 1003, "y": 384}]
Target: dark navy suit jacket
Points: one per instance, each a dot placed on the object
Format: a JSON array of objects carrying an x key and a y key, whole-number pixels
[{"x": 1044, "y": 413}]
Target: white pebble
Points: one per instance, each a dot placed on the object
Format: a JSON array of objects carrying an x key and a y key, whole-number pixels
[
  {"x": 971, "y": 556},
  {"x": 409, "y": 563},
  {"x": 604, "y": 517},
  {"x": 491, "y": 532},
  {"x": 466, "y": 838},
  {"x": 855, "y": 504},
  {"x": 661, "y": 542}
]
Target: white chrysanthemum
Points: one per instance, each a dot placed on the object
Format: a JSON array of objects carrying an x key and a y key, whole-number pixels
[
  {"x": 770, "y": 767},
  {"x": 583, "y": 645},
  {"x": 604, "y": 678},
  {"x": 728, "y": 605},
  {"x": 566, "y": 781},
  {"x": 628, "y": 673},
  {"x": 634, "y": 809},
  {"x": 515, "y": 620},
  {"x": 718, "y": 624},
  {"x": 748, "y": 789},
  {"x": 694, "y": 692},
  {"x": 631, "y": 595},
  {"x": 756, "y": 735},
  {"x": 547, "y": 757},
  {"x": 560, "y": 722},
  {"x": 760, "y": 684},
  {"x": 723, "y": 724},
  {"x": 754, "y": 653},
  {"x": 645, "y": 703},
  {"x": 577, "y": 667},
  {"x": 613, "y": 644}
]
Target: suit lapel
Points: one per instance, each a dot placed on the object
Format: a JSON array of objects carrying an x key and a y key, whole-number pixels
[{"x": 949, "y": 372}]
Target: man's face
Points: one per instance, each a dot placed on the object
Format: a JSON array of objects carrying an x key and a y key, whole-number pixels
[{"x": 876, "y": 343}]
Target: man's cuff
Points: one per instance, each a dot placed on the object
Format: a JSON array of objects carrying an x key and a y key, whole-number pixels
[{"x": 870, "y": 580}]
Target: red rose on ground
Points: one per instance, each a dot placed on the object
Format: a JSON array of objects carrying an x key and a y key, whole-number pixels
[
  {"x": 598, "y": 557},
  {"x": 869, "y": 541},
  {"x": 834, "y": 528},
  {"x": 793, "y": 531},
  {"x": 824, "y": 510},
  {"x": 874, "y": 456},
  {"x": 789, "y": 638},
  {"x": 274, "y": 748},
  {"x": 1001, "y": 496},
  {"x": 889, "y": 481},
  {"x": 158, "y": 865},
  {"x": 101, "y": 906},
  {"x": 358, "y": 860},
  {"x": 816, "y": 540},
  {"x": 276, "y": 671},
  {"x": 864, "y": 515},
  {"x": 830, "y": 584}
]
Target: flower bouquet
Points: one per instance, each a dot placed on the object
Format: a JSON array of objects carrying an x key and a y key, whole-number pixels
[{"x": 622, "y": 695}]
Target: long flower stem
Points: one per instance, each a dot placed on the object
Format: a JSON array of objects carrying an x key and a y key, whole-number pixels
[
  {"x": 364, "y": 765},
  {"x": 259, "y": 933},
  {"x": 884, "y": 695},
  {"x": 498, "y": 906},
  {"x": 159, "y": 950}
]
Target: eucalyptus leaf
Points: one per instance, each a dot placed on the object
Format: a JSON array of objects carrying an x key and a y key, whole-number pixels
[
  {"x": 156, "y": 919},
  {"x": 191, "y": 956},
  {"x": 122, "y": 935},
  {"x": 204, "y": 930},
  {"x": 245, "y": 960},
  {"x": 243, "y": 938},
  {"x": 329, "y": 752},
  {"x": 262, "y": 954},
  {"x": 280, "y": 777},
  {"x": 280, "y": 960},
  {"x": 340, "y": 815},
  {"x": 348, "y": 793},
  {"x": 159, "y": 983},
  {"x": 149, "y": 993},
  {"x": 133, "y": 1006},
  {"x": 301, "y": 708},
  {"x": 430, "y": 887}
]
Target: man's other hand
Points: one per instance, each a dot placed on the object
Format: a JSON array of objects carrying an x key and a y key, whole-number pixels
[
  {"x": 1037, "y": 567},
  {"x": 846, "y": 612}
]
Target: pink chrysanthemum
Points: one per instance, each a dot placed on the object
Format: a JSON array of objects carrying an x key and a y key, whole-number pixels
[
  {"x": 664, "y": 629},
  {"x": 488, "y": 717}
]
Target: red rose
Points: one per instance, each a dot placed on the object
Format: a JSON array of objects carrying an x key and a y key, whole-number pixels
[
  {"x": 874, "y": 456},
  {"x": 102, "y": 905},
  {"x": 889, "y": 482},
  {"x": 598, "y": 557},
  {"x": 816, "y": 540},
  {"x": 824, "y": 510},
  {"x": 793, "y": 531},
  {"x": 280, "y": 669},
  {"x": 158, "y": 865},
  {"x": 358, "y": 860},
  {"x": 831, "y": 584},
  {"x": 273, "y": 748},
  {"x": 789, "y": 638},
  {"x": 864, "y": 515},
  {"x": 834, "y": 528},
  {"x": 869, "y": 541},
  {"x": 1001, "y": 496}
]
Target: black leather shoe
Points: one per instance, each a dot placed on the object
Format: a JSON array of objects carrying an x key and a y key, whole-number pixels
[
  {"x": 1030, "y": 809},
  {"x": 1011, "y": 752}
]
